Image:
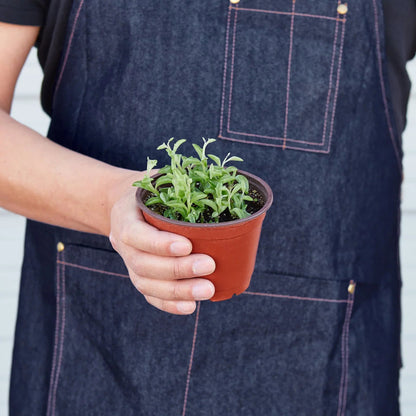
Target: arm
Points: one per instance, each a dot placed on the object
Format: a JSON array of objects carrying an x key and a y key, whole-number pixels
[
  {"x": 27, "y": 174},
  {"x": 159, "y": 263}
]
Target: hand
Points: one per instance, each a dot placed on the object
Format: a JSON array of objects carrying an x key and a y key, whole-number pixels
[{"x": 159, "y": 263}]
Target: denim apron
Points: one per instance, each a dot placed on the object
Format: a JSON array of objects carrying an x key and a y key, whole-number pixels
[{"x": 298, "y": 89}]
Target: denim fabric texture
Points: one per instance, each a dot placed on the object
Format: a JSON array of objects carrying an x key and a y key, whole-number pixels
[{"x": 300, "y": 92}]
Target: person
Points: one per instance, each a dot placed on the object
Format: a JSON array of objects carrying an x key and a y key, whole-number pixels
[{"x": 313, "y": 96}]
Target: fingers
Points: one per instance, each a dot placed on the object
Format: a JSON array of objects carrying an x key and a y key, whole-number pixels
[
  {"x": 177, "y": 290},
  {"x": 150, "y": 240},
  {"x": 168, "y": 283},
  {"x": 168, "y": 268},
  {"x": 176, "y": 308}
]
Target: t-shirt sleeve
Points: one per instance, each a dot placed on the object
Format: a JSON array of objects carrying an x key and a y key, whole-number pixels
[{"x": 23, "y": 12}]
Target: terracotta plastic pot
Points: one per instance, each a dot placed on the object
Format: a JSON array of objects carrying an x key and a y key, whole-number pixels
[{"x": 232, "y": 244}]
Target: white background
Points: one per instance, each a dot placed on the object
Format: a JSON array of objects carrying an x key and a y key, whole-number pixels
[{"x": 26, "y": 109}]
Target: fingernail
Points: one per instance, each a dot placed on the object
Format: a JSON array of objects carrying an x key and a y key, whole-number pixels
[
  {"x": 179, "y": 248},
  {"x": 203, "y": 267},
  {"x": 185, "y": 307},
  {"x": 202, "y": 291}
]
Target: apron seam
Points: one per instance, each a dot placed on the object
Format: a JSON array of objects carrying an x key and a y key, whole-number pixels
[
  {"x": 92, "y": 269},
  {"x": 59, "y": 335},
  {"x": 289, "y": 69},
  {"x": 315, "y": 16},
  {"x": 191, "y": 359},
  {"x": 274, "y": 295},
  {"x": 341, "y": 52},
  {"x": 383, "y": 88},
  {"x": 56, "y": 337},
  {"x": 224, "y": 78},
  {"x": 233, "y": 139},
  {"x": 68, "y": 49},
  {"x": 250, "y": 293},
  {"x": 331, "y": 73},
  {"x": 230, "y": 97},
  {"x": 342, "y": 397}
]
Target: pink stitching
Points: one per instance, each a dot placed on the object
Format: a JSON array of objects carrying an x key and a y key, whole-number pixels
[
  {"x": 224, "y": 79},
  {"x": 68, "y": 48},
  {"x": 350, "y": 306},
  {"x": 317, "y": 16},
  {"x": 289, "y": 67},
  {"x": 273, "y": 295},
  {"x": 325, "y": 151},
  {"x": 91, "y": 269},
  {"x": 330, "y": 82},
  {"x": 341, "y": 51},
  {"x": 61, "y": 340},
  {"x": 232, "y": 71},
  {"x": 383, "y": 88},
  {"x": 57, "y": 332},
  {"x": 342, "y": 397},
  {"x": 191, "y": 358},
  {"x": 274, "y": 138}
]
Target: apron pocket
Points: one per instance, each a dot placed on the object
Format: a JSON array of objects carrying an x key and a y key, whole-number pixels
[
  {"x": 281, "y": 73},
  {"x": 114, "y": 354},
  {"x": 281, "y": 348}
]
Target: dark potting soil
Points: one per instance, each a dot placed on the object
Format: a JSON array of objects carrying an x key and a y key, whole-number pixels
[
  {"x": 252, "y": 207},
  {"x": 257, "y": 203}
]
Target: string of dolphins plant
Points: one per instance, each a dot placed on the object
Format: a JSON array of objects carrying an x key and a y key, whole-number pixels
[{"x": 193, "y": 189}]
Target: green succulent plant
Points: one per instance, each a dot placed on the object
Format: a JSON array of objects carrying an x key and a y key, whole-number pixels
[{"x": 196, "y": 189}]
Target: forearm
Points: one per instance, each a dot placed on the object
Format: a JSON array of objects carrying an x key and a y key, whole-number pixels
[{"x": 49, "y": 183}]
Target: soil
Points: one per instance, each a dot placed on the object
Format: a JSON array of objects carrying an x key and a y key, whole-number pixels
[{"x": 252, "y": 207}]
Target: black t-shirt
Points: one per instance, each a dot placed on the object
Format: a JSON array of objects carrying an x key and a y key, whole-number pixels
[{"x": 52, "y": 15}]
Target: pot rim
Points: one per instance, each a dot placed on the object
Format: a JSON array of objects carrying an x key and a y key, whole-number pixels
[{"x": 261, "y": 185}]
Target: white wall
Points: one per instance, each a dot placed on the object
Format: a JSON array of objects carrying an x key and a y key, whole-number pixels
[
  {"x": 26, "y": 109},
  {"x": 408, "y": 256}
]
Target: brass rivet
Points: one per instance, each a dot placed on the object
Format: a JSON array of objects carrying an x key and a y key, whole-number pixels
[
  {"x": 234, "y": 1},
  {"x": 342, "y": 8},
  {"x": 351, "y": 288},
  {"x": 60, "y": 247}
]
